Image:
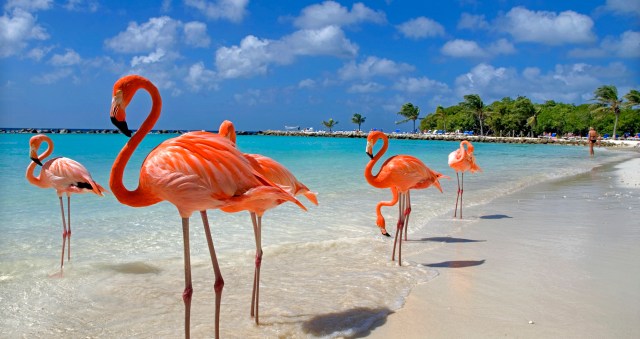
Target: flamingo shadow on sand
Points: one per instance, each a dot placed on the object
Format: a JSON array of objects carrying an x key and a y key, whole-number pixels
[
  {"x": 495, "y": 216},
  {"x": 449, "y": 240},
  {"x": 456, "y": 263},
  {"x": 353, "y": 323}
]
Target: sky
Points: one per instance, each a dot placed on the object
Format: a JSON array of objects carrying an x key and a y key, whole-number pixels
[{"x": 270, "y": 64}]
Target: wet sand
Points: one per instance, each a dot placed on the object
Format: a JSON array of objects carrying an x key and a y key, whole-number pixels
[{"x": 559, "y": 259}]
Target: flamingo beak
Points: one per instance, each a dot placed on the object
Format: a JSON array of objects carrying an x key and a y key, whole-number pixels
[
  {"x": 118, "y": 114},
  {"x": 369, "y": 149},
  {"x": 122, "y": 126},
  {"x": 369, "y": 154},
  {"x": 34, "y": 156}
]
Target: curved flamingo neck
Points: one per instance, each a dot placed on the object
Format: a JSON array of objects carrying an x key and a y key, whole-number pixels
[
  {"x": 469, "y": 146},
  {"x": 368, "y": 170},
  {"x": 141, "y": 196},
  {"x": 35, "y": 142}
]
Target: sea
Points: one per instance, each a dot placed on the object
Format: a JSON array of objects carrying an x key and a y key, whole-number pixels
[{"x": 326, "y": 272}]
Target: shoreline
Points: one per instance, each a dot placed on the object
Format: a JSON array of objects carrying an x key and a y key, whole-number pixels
[
  {"x": 549, "y": 261},
  {"x": 574, "y": 141}
]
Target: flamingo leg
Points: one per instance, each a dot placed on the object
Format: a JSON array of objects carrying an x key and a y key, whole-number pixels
[
  {"x": 407, "y": 211},
  {"x": 64, "y": 232},
  {"x": 395, "y": 238},
  {"x": 68, "y": 226},
  {"x": 461, "y": 193},
  {"x": 398, "y": 238},
  {"x": 219, "y": 282},
  {"x": 455, "y": 210},
  {"x": 257, "y": 231},
  {"x": 188, "y": 288}
]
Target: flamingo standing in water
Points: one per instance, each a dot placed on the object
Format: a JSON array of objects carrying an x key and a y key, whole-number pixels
[
  {"x": 276, "y": 173},
  {"x": 195, "y": 172},
  {"x": 65, "y": 176},
  {"x": 400, "y": 173},
  {"x": 462, "y": 160}
]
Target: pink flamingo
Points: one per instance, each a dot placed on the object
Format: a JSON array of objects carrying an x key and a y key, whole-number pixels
[
  {"x": 400, "y": 173},
  {"x": 195, "y": 172},
  {"x": 462, "y": 160},
  {"x": 65, "y": 176},
  {"x": 276, "y": 173}
]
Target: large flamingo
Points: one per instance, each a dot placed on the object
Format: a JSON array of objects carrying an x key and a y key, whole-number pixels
[
  {"x": 276, "y": 173},
  {"x": 65, "y": 176},
  {"x": 195, "y": 172},
  {"x": 462, "y": 160},
  {"x": 400, "y": 173}
]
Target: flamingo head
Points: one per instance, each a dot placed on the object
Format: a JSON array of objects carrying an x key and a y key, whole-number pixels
[
  {"x": 372, "y": 138},
  {"x": 227, "y": 130},
  {"x": 118, "y": 112},
  {"x": 34, "y": 145}
]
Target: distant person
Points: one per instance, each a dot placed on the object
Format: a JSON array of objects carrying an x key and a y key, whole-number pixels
[{"x": 593, "y": 138}]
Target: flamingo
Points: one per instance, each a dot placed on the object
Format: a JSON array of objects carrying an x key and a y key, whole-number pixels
[
  {"x": 462, "y": 160},
  {"x": 276, "y": 173},
  {"x": 195, "y": 172},
  {"x": 65, "y": 176},
  {"x": 400, "y": 173}
]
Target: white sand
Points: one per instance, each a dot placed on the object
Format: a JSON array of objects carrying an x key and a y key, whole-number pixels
[{"x": 558, "y": 260}]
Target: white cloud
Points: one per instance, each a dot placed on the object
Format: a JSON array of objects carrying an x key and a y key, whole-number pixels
[
  {"x": 254, "y": 55},
  {"x": 420, "y": 85},
  {"x": 70, "y": 58},
  {"x": 369, "y": 87},
  {"x": 307, "y": 83},
  {"x": 195, "y": 34},
  {"x": 200, "y": 77},
  {"x": 421, "y": 27},
  {"x": 153, "y": 57},
  {"x": 28, "y": 5},
  {"x": 626, "y": 46},
  {"x": 571, "y": 83},
  {"x": 16, "y": 29},
  {"x": 82, "y": 5},
  {"x": 38, "y": 53},
  {"x": 232, "y": 10},
  {"x": 161, "y": 32},
  {"x": 472, "y": 22},
  {"x": 470, "y": 49},
  {"x": 53, "y": 77},
  {"x": 547, "y": 27},
  {"x": 463, "y": 49},
  {"x": 373, "y": 67},
  {"x": 623, "y": 7},
  {"x": 331, "y": 13}
]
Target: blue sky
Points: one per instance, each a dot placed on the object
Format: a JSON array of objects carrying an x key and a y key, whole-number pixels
[{"x": 267, "y": 64}]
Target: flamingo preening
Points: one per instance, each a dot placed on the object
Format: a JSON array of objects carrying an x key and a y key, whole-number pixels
[{"x": 462, "y": 160}]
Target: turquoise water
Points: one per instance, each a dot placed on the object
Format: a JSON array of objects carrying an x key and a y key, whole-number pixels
[{"x": 326, "y": 272}]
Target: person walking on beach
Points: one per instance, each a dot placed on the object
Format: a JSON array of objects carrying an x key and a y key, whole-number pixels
[{"x": 593, "y": 138}]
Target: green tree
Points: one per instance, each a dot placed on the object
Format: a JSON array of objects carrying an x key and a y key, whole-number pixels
[
  {"x": 607, "y": 101},
  {"x": 533, "y": 120},
  {"x": 410, "y": 112},
  {"x": 358, "y": 120},
  {"x": 473, "y": 103},
  {"x": 442, "y": 114},
  {"x": 329, "y": 124},
  {"x": 633, "y": 98}
]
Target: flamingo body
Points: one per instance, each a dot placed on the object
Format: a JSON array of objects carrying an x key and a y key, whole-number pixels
[
  {"x": 65, "y": 176},
  {"x": 399, "y": 173}
]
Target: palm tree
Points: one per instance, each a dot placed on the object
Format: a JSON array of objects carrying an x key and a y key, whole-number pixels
[
  {"x": 329, "y": 124},
  {"x": 472, "y": 103},
  {"x": 358, "y": 119},
  {"x": 607, "y": 101},
  {"x": 633, "y": 98},
  {"x": 532, "y": 121},
  {"x": 440, "y": 112},
  {"x": 410, "y": 112}
]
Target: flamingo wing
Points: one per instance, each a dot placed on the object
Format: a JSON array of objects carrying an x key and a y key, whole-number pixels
[{"x": 68, "y": 175}]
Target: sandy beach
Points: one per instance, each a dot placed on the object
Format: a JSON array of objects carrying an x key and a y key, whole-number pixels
[{"x": 559, "y": 259}]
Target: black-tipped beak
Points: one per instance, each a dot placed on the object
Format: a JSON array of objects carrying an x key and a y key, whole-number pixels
[
  {"x": 370, "y": 155},
  {"x": 36, "y": 160},
  {"x": 122, "y": 126}
]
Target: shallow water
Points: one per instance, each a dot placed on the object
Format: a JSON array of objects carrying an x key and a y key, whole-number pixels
[{"x": 325, "y": 272}]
